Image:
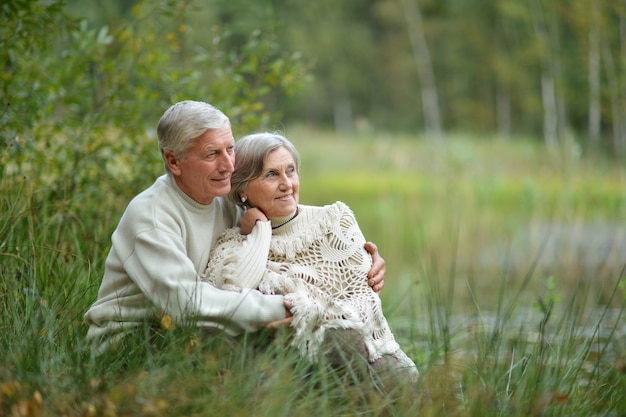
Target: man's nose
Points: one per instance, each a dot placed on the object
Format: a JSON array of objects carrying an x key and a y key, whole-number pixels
[{"x": 227, "y": 162}]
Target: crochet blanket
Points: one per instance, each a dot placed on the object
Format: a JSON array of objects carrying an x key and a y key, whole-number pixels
[{"x": 318, "y": 262}]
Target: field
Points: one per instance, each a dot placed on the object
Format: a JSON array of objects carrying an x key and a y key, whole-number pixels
[{"x": 505, "y": 283}]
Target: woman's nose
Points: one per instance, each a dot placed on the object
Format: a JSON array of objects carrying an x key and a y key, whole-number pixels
[{"x": 284, "y": 183}]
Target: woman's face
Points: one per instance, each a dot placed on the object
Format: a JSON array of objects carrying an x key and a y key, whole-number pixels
[{"x": 275, "y": 191}]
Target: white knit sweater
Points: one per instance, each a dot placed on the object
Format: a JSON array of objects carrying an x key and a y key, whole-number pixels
[
  {"x": 319, "y": 262},
  {"x": 159, "y": 249}
]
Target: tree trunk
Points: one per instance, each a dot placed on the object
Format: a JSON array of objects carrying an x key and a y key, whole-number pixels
[
  {"x": 549, "y": 98},
  {"x": 594, "y": 76},
  {"x": 550, "y": 112},
  {"x": 342, "y": 111},
  {"x": 615, "y": 95},
  {"x": 503, "y": 110},
  {"x": 419, "y": 46},
  {"x": 620, "y": 138}
]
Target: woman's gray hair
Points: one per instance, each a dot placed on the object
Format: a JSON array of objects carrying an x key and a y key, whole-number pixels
[
  {"x": 185, "y": 121},
  {"x": 251, "y": 151}
]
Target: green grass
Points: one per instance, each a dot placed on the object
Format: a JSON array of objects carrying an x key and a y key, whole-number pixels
[{"x": 505, "y": 283}]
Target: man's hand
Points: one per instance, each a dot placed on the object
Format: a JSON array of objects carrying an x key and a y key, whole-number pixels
[
  {"x": 284, "y": 322},
  {"x": 249, "y": 219},
  {"x": 376, "y": 275}
]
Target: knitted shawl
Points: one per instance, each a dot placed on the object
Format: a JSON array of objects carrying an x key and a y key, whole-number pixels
[{"x": 318, "y": 261}]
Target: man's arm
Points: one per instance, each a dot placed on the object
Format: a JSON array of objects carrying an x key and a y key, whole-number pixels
[
  {"x": 376, "y": 275},
  {"x": 286, "y": 321},
  {"x": 167, "y": 277}
]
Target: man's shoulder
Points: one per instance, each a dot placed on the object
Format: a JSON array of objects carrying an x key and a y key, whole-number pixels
[
  {"x": 149, "y": 196},
  {"x": 163, "y": 203},
  {"x": 231, "y": 211}
]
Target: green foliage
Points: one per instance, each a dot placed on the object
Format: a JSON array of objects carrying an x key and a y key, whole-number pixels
[
  {"x": 29, "y": 28},
  {"x": 80, "y": 103}
]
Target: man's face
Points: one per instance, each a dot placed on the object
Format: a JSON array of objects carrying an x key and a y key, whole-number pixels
[{"x": 205, "y": 171}]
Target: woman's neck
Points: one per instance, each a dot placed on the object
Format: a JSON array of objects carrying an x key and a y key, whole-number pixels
[{"x": 281, "y": 221}]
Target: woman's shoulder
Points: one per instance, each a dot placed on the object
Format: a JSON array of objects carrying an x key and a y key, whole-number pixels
[
  {"x": 324, "y": 216},
  {"x": 336, "y": 207},
  {"x": 337, "y": 210}
]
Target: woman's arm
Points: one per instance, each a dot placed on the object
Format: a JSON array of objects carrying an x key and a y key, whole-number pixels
[
  {"x": 240, "y": 261},
  {"x": 249, "y": 219}
]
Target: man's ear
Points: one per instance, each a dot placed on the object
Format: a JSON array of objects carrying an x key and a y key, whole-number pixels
[{"x": 173, "y": 163}]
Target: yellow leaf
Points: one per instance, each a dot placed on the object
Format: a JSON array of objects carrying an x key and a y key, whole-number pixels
[
  {"x": 166, "y": 322},
  {"x": 90, "y": 410},
  {"x": 10, "y": 388},
  {"x": 37, "y": 398}
]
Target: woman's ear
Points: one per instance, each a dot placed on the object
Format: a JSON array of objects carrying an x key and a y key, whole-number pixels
[{"x": 172, "y": 162}]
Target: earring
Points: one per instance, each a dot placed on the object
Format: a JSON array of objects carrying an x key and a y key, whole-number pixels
[{"x": 243, "y": 199}]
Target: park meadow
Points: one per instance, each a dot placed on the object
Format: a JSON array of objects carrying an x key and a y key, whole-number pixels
[{"x": 505, "y": 283}]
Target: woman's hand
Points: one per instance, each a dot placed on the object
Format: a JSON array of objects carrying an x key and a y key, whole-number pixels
[
  {"x": 249, "y": 219},
  {"x": 376, "y": 275}
]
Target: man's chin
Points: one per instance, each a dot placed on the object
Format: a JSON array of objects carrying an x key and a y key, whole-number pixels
[{"x": 222, "y": 191}]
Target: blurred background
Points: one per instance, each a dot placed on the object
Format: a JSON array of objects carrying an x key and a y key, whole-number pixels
[{"x": 551, "y": 70}]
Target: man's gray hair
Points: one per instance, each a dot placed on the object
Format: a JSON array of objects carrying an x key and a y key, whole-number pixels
[{"x": 185, "y": 121}]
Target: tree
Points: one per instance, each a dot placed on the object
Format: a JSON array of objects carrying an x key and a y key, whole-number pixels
[
  {"x": 594, "y": 73},
  {"x": 81, "y": 103},
  {"x": 29, "y": 28},
  {"x": 421, "y": 54},
  {"x": 548, "y": 56}
]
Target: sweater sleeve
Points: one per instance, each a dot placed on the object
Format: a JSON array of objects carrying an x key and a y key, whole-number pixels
[
  {"x": 168, "y": 278},
  {"x": 240, "y": 261}
]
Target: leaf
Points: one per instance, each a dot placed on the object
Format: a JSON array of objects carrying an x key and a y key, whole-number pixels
[{"x": 166, "y": 322}]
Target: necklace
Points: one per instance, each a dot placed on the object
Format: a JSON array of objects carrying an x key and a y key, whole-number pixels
[{"x": 288, "y": 220}]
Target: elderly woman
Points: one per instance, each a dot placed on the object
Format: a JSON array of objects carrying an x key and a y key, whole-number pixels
[{"x": 314, "y": 256}]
